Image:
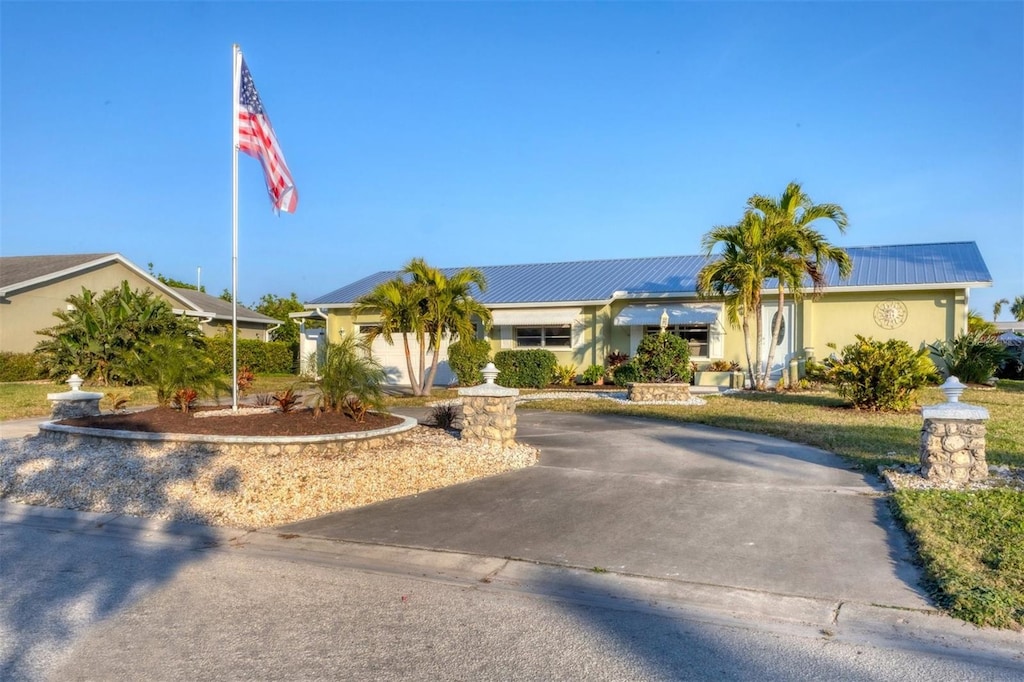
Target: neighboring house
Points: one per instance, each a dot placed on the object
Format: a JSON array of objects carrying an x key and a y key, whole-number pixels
[
  {"x": 32, "y": 288},
  {"x": 584, "y": 310}
]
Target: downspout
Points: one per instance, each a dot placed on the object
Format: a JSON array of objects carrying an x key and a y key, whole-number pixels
[
  {"x": 967, "y": 308},
  {"x": 270, "y": 329}
]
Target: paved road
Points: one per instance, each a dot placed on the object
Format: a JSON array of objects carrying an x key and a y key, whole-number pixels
[
  {"x": 87, "y": 597},
  {"x": 664, "y": 500}
]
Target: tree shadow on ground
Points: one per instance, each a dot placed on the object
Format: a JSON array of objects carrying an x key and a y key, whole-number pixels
[{"x": 56, "y": 583}]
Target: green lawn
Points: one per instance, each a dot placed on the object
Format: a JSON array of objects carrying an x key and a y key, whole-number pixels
[
  {"x": 971, "y": 544},
  {"x": 24, "y": 399}
]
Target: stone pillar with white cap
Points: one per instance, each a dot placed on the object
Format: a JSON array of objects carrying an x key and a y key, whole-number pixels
[
  {"x": 489, "y": 412},
  {"x": 74, "y": 403},
  {"x": 953, "y": 439}
]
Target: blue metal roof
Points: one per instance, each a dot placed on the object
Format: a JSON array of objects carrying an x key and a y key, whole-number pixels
[{"x": 954, "y": 263}]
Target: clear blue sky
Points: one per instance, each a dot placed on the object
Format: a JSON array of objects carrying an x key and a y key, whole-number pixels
[{"x": 483, "y": 134}]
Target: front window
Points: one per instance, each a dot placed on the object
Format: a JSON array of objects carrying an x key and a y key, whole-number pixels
[
  {"x": 556, "y": 336},
  {"x": 697, "y": 336}
]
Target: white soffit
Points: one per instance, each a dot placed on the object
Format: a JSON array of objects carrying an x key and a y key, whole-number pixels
[
  {"x": 677, "y": 314},
  {"x": 527, "y": 316}
]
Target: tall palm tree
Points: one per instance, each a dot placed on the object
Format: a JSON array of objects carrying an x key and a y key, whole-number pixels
[
  {"x": 448, "y": 307},
  {"x": 1017, "y": 309},
  {"x": 773, "y": 241},
  {"x": 737, "y": 275},
  {"x": 806, "y": 253},
  {"x": 997, "y": 308},
  {"x": 399, "y": 305}
]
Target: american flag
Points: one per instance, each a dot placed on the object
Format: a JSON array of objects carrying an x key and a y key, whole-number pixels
[{"x": 257, "y": 139}]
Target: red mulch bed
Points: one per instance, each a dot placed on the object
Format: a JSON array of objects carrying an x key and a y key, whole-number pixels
[{"x": 295, "y": 423}]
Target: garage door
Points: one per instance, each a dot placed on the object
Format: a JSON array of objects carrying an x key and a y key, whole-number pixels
[{"x": 392, "y": 358}]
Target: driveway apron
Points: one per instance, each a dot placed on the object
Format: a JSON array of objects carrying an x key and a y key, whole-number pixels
[{"x": 664, "y": 500}]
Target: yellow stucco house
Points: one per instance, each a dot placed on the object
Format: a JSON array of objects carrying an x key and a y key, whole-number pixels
[
  {"x": 33, "y": 287},
  {"x": 584, "y": 310}
]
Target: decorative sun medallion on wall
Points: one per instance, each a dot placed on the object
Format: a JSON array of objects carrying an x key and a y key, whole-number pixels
[{"x": 890, "y": 314}]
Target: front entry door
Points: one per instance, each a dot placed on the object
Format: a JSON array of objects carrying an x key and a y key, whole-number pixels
[{"x": 783, "y": 342}]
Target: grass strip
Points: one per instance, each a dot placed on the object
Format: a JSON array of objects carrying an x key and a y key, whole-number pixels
[{"x": 972, "y": 547}]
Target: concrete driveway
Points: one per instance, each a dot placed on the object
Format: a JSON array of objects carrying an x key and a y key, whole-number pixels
[{"x": 672, "y": 501}]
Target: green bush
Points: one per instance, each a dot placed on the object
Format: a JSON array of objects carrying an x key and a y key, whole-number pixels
[
  {"x": 534, "y": 368},
  {"x": 467, "y": 357},
  {"x": 349, "y": 379},
  {"x": 973, "y": 358},
  {"x": 625, "y": 374},
  {"x": 593, "y": 374},
  {"x": 565, "y": 375},
  {"x": 1013, "y": 366},
  {"x": 262, "y": 357},
  {"x": 173, "y": 363},
  {"x": 662, "y": 358},
  {"x": 20, "y": 367},
  {"x": 880, "y": 375}
]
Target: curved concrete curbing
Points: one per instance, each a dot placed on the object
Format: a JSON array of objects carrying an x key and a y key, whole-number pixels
[
  {"x": 154, "y": 443},
  {"x": 51, "y": 427}
]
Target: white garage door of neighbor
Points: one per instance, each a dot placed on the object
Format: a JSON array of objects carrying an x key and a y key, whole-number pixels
[{"x": 392, "y": 358}]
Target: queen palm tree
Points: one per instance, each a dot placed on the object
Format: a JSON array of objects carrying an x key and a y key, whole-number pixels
[
  {"x": 399, "y": 305},
  {"x": 997, "y": 308},
  {"x": 1017, "y": 309},
  {"x": 448, "y": 307},
  {"x": 773, "y": 241}
]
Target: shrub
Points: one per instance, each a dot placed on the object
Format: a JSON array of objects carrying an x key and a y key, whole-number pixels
[
  {"x": 880, "y": 375},
  {"x": 532, "y": 368},
  {"x": 172, "y": 363},
  {"x": 972, "y": 358},
  {"x": 100, "y": 335},
  {"x": 722, "y": 366},
  {"x": 20, "y": 367},
  {"x": 245, "y": 379},
  {"x": 1013, "y": 366},
  {"x": 467, "y": 357},
  {"x": 614, "y": 359},
  {"x": 564, "y": 375},
  {"x": 625, "y": 374},
  {"x": 444, "y": 415},
  {"x": 662, "y": 358},
  {"x": 593, "y": 374},
  {"x": 286, "y": 400},
  {"x": 350, "y": 380},
  {"x": 261, "y": 357}
]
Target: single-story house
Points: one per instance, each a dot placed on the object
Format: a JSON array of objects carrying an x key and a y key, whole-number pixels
[
  {"x": 584, "y": 310},
  {"x": 32, "y": 288}
]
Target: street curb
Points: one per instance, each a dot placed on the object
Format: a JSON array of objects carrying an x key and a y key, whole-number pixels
[{"x": 849, "y": 622}]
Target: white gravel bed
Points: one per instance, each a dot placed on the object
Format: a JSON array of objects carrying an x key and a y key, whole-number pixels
[
  {"x": 908, "y": 477},
  {"x": 240, "y": 491}
]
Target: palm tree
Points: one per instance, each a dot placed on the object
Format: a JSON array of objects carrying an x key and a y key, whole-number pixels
[
  {"x": 997, "y": 308},
  {"x": 448, "y": 307},
  {"x": 773, "y": 241},
  {"x": 399, "y": 304},
  {"x": 737, "y": 276},
  {"x": 1017, "y": 309},
  {"x": 806, "y": 253}
]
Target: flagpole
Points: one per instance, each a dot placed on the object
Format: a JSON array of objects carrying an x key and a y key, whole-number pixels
[{"x": 235, "y": 78}]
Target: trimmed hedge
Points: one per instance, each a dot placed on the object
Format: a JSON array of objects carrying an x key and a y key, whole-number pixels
[
  {"x": 262, "y": 357},
  {"x": 534, "y": 368},
  {"x": 20, "y": 367},
  {"x": 467, "y": 357}
]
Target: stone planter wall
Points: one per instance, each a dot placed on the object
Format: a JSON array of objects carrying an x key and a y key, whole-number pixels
[
  {"x": 489, "y": 415},
  {"x": 953, "y": 450},
  {"x": 953, "y": 443},
  {"x": 642, "y": 393},
  {"x": 155, "y": 444}
]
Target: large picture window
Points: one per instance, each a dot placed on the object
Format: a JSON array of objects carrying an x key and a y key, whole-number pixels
[
  {"x": 551, "y": 336},
  {"x": 697, "y": 336}
]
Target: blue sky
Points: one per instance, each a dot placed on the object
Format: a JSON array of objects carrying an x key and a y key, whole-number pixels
[{"x": 485, "y": 134}]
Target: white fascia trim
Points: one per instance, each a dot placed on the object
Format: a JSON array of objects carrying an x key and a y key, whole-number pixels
[
  {"x": 905, "y": 287},
  {"x": 544, "y": 304},
  {"x": 309, "y": 312}
]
